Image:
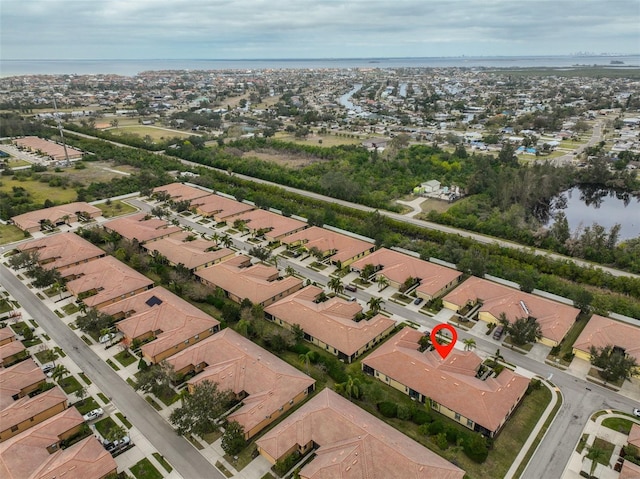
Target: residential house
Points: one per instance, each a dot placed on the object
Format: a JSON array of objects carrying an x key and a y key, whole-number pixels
[
  {"x": 239, "y": 279},
  {"x": 48, "y": 218},
  {"x": 458, "y": 386},
  {"x": 270, "y": 225},
  {"x": 192, "y": 252},
  {"x": 141, "y": 227},
  {"x": 629, "y": 469},
  {"x": 19, "y": 381},
  {"x": 433, "y": 280},
  {"x": 600, "y": 332},
  {"x": 37, "y": 453},
  {"x": 105, "y": 281},
  {"x": 26, "y": 412},
  {"x": 48, "y": 148},
  {"x": 218, "y": 207},
  {"x": 555, "y": 319},
  {"x": 11, "y": 350},
  {"x": 330, "y": 324},
  {"x": 165, "y": 324},
  {"x": 181, "y": 192},
  {"x": 62, "y": 251},
  {"x": 267, "y": 385},
  {"x": 339, "y": 248},
  {"x": 350, "y": 443}
]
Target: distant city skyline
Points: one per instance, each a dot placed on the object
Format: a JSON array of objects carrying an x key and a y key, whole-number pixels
[{"x": 281, "y": 29}]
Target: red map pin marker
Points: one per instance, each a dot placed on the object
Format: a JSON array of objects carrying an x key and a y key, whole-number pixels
[{"x": 444, "y": 349}]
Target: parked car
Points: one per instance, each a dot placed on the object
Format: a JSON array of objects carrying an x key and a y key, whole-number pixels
[
  {"x": 418, "y": 301},
  {"x": 351, "y": 287},
  {"x": 352, "y": 299},
  {"x": 48, "y": 368},
  {"x": 115, "y": 445},
  {"x": 497, "y": 333},
  {"x": 106, "y": 338},
  {"x": 636, "y": 412},
  {"x": 95, "y": 414}
]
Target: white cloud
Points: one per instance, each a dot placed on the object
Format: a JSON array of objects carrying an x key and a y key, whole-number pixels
[{"x": 319, "y": 28}]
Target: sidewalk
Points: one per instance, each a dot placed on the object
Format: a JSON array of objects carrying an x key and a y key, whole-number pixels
[{"x": 556, "y": 396}]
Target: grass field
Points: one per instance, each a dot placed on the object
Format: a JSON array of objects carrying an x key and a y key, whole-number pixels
[
  {"x": 618, "y": 424},
  {"x": 319, "y": 140},
  {"x": 40, "y": 191},
  {"x": 155, "y": 133},
  {"x": 9, "y": 234},
  {"x": 116, "y": 208}
]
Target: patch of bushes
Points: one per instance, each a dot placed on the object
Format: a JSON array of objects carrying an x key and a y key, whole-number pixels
[
  {"x": 388, "y": 409},
  {"x": 420, "y": 417}
]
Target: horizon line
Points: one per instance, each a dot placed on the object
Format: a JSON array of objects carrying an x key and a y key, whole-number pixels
[{"x": 578, "y": 55}]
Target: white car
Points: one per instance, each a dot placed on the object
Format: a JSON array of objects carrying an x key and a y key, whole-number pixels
[
  {"x": 106, "y": 338},
  {"x": 636, "y": 412},
  {"x": 95, "y": 414}
]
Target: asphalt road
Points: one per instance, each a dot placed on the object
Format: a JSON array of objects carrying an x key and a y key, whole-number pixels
[
  {"x": 182, "y": 455},
  {"x": 424, "y": 224}
]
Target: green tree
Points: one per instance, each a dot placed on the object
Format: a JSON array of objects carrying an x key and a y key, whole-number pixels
[
  {"x": 306, "y": 359},
  {"x": 614, "y": 364},
  {"x": 583, "y": 299},
  {"x": 351, "y": 388},
  {"x": 289, "y": 271},
  {"x": 335, "y": 284},
  {"x": 524, "y": 330},
  {"x": 201, "y": 410},
  {"x": 382, "y": 282},
  {"x": 595, "y": 455},
  {"x": 157, "y": 379},
  {"x": 94, "y": 321},
  {"x": 59, "y": 373},
  {"x": 375, "y": 304},
  {"x": 367, "y": 271},
  {"x": 81, "y": 393},
  {"x": 233, "y": 440},
  {"x": 469, "y": 344},
  {"x": 115, "y": 433}
]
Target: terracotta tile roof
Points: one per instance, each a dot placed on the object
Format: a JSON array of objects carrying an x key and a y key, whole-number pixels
[
  {"x": 7, "y": 333},
  {"x": 343, "y": 246},
  {"x": 141, "y": 229},
  {"x": 629, "y": 471},
  {"x": 61, "y": 250},
  {"x": 171, "y": 318},
  {"x": 450, "y": 382},
  {"x": 181, "y": 192},
  {"x": 189, "y": 253},
  {"x": 601, "y": 332},
  {"x": 220, "y": 207},
  {"x": 235, "y": 363},
  {"x": 9, "y": 349},
  {"x": 54, "y": 214},
  {"x": 109, "y": 276},
  {"x": 353, "y": 444},
  {"x": 634, "y": 435},
  {"x": 26, "y": 407},
  {"x": 330, "y": 321},
  {"x": 49, "y": 148},
  {"x": 277, "y": 225},
  {"x": 555, "y": 318},
  {"x": 26, "y": 455},
  {"x": 398, "y": 267},
  {"x": 258, "y": 283},
  {"x": 17, "y": 377}
]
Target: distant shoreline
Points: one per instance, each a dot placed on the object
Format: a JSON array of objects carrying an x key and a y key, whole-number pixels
[{"x": 131, "y": 67}]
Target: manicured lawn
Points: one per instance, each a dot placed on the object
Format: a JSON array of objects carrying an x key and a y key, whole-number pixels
[
  {"x": 155, "y": 405},
  {"x": 163, "y": 461},
  {"x": 618, "y": 424},
  {"x": 607, "y": 447},
  {"x": 70, "y": 308},
  {"x": 125, "y": 358},
  {"x": 69, "y": 384},
  {"x": 10, "y": 233},
  {"x": 145, "y": 470},
  {"x": 40, "y": 356},
  {"x": 5, "y": 306},
  {"x": 116, "y": 208},
  {"x": 124, "y": 420},
  {"x": 103, "y": 426},
  {"x": 86, "y": 405},
  {"x": 223, "y": 469},
  {"x": 113, "y": 365},
  {"x": 85, "y": 378},
  {"x": 103, "y": 398},
  {"x": 212, "y": 436},
  {"x": 244, "y": 457}
]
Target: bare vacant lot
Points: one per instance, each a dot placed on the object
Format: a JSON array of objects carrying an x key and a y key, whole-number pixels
[{"x": 282, "y": 158}]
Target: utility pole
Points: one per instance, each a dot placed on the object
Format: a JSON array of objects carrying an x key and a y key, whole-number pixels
[{"x": 64, "y": 143}]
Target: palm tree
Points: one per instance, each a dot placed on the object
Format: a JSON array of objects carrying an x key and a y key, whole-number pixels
[
  {"x": 382, "y": 282},
  {"x": 469, "y": 344},
  {"x": 59, "y": 373},
  {"x": 336, "y": 285},
  {"x": 497, "y": 356},
  {"x": 306, "y": 359},
  {"x": 375, "y": 304},
  {"x": 351, "y": 388},
  {"x": 81, "y": 393},
  {"x": 115, "y": 433},
  {"x": 227, "y": 241},
  {"x": 289, "y": 270},
  {"x": 595, "y": 455}
]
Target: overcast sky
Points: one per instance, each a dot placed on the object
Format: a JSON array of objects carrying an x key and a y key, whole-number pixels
[{"x": 247, "y": 29}]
